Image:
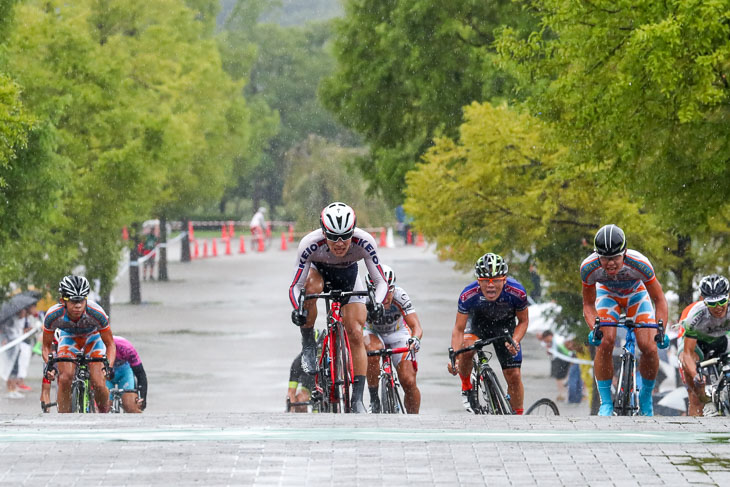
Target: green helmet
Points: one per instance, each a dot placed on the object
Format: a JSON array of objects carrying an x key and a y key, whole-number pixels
[{"x": 490, "y": 265}]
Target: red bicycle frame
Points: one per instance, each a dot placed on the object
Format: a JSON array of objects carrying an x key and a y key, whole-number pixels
[{"x": 331, "y": 339}]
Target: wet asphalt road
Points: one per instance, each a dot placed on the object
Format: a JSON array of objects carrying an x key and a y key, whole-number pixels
[{"x": 217, "y": 336}]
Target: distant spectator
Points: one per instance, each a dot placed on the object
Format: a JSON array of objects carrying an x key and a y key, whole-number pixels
[
  {"x": 258, "y": 225},
  {"x": 147, "y": 248},
  {"x": 404, "y": 222}
]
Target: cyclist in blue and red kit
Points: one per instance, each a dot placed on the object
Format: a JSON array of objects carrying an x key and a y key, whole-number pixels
[
  {"x": 493, "y": 305},
  {"x": 129, "y": 374},
  {"x": 327, "y": 259},
  {"x": 614, "y": 279}
]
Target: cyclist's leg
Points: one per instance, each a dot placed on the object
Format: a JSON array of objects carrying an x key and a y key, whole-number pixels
[
  {"x": 313, "y": 285},
  {"x": 68, "y": 347},
  {"x": 407, "y": 367},
  {"x": 511, "y": 368},
  {"x": 641, "y": 310},
  {"x": 95, "y": 348},
  {"x": 609, "y": 310},
  {"x": 373, "y": 342},
  {"x": 353, "y": 317}
]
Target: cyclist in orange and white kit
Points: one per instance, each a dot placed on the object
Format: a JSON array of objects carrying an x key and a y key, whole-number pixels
[
  {"x": 704, "y": 334},
  {"x": 614, "y": 279},
  {"x": 328, "y": 259},
  {"x": 84, "y": 329},
  {"x": 399, "y": 327}
]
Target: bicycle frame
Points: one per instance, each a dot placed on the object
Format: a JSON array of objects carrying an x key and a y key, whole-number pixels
[
  {"x": 718, "y": 370},
  {"x": 388, "y": 374},
  {"x": 116, "y": 394},
  {"x": 626, "y": 400},
  {"x": 328, "y": 359},
  {"x": 80, "y": 385}
]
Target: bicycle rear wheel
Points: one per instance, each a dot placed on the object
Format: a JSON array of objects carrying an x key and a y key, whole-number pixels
[
  {"x": 543, "y": 407},
  {"x": 342, "y": 361}
]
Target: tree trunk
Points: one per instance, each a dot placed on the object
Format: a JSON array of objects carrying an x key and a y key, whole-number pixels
[
  {"x": 685, "y": 270},
  {"x": 135, "y": 293},
  {"x": 162, "y": 269},
  {"x": 185, "y": 253}
]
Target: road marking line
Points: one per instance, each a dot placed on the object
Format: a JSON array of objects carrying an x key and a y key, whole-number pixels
[{"x": 357, "y": 434}]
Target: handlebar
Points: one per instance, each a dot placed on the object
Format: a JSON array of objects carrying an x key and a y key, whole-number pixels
[
  {"x": 479, "y": 344},
  {"x": 714, "y": 360},
  {"x": 629, "y": 324},
  {"x": 388, "y": 351},
  {"x": 79, "y": 359}
]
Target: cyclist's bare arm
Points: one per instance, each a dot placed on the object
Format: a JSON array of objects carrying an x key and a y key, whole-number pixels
[
  {"x": 689, "y": 358},
  {"x": 414, "y": 324},
  {"x": 111, "y": 348},
  {"x": 660, "y": 303},
  {"x": 589, "y": 305},
  {"x": 520, "y": 330}
]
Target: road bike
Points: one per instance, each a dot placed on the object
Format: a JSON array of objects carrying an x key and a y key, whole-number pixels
[
  {"x": 334, "y": 368},
  {"x": 492, "y": 398},
  {"x": 82, "y": 398},
  {"x": 390, "y": 397},
  {"x": 717, "y": 370},
  {"x": 626, "y": 400},
  {"x": 116, "y": 394}
]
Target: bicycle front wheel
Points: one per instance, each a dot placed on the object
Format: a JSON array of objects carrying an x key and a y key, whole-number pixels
[
  {"x": 624, "y": 402},
  {"x": 387, "y": 403},
  {"x": 498, "y": 397},
  {"x": 77, "y": 397},
  {"x": 543, "y": 407},
  {"x": 343, "y": 381}
]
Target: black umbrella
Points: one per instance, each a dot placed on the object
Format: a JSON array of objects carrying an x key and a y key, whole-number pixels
[{"x": 12, "y": 306}]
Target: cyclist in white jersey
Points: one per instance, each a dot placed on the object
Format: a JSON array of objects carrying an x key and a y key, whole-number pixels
[
  {"x": 399, "y": 327},
  {"x": 328, "y": 259},
  {"x": 617, "y": 279},
  {"x": 705, "y": 335}
]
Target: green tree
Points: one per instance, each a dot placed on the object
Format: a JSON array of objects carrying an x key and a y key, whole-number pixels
[
  {"x": 405, "y": 70},
  {"x": 638, "y": 90},
  {"x": 503, "y": 187}
]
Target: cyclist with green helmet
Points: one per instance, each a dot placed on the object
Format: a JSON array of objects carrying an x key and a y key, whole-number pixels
[{"x": 489, "y": 307}]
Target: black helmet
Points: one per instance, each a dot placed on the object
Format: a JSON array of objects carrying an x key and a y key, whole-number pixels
[
  {"x": 490, "y": 265},
  {"x": 714, "y": 288},
  {"x": 609, "y": 241},
  {"x": 74, "y": 287}
]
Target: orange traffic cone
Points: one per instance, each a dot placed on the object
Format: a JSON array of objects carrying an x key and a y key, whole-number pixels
[
  {"x": 241, "y": 246},
  {"x": 191, "y": 232},
  {"x": 196, "y": 250},
  {"x": 283, "y": 241},
  {"x": 409, "y": 237},
  {"x": 383, "y": 241},
  {"x": 228, "y": 246},
  {"x": 419, "y": 240},
  {"x": 125, "y": 233},
  {"x": 291, "y": 232},
  {"x": 205, "y": 248},
  {"x": 261, "y": 243},
  {"x": 214, "y": 248},
  {"x": 231, "y": 230},
  {"x": 224, "y": 231}
]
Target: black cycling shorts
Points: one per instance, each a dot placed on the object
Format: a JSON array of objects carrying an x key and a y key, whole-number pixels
[
  {"x": 338, "y": 278},
  {"x": 506, "y": 359}
]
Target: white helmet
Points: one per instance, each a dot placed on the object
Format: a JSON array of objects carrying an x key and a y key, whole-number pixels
[
  {"x": 389, "y": 276},
  {"x": 338, "y": 221}
]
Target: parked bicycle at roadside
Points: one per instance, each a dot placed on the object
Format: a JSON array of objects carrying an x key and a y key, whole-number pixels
[{"x": 491, "y": 396}]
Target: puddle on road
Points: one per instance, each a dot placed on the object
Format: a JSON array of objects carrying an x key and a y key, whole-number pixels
[{"x": 701, "y": 464}]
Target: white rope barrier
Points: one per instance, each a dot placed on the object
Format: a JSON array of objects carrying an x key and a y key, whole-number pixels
[{"x": 22, "y": 337}]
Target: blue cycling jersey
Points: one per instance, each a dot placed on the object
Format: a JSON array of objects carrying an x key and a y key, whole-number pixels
[{"x": 498, "y": 314}]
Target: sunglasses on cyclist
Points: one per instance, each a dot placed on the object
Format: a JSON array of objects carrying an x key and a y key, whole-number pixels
[
  {"x": 715, "y": 304},
  {"x": 492, "y": 280},
  {"x": 74, "y": 300},
  {"x": 336, "y": 238}
]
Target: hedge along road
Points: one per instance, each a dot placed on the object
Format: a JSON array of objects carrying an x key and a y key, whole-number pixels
[{"x": 218, "y": 335}]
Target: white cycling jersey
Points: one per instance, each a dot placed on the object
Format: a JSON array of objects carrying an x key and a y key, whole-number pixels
[
  {"x": 701, "y": 325},
  {"x": 313, "y": 249},
  {"x": 393, "y": 317}
]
